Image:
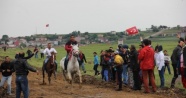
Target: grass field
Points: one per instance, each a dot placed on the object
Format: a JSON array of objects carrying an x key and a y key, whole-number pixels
[{"x": 167, "y": 43}]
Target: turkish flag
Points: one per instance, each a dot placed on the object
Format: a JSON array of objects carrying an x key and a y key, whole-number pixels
[
  {"x": 132, "y": 31},
  {"x": 47, "y": 25}
]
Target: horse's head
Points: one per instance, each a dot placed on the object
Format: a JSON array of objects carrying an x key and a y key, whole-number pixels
[
  {"x": 75, "y": 50},
  {"x": 52, "y": 58}
]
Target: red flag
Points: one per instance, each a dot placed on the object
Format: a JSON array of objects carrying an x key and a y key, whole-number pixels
[
  {"x": 132, "y": 31},
  {"x": 47, "y": 25}
]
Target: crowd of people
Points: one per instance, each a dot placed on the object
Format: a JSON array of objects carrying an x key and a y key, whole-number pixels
[
  {"x": 125, "y": 66},
  {"x": 136, "y": 68}
]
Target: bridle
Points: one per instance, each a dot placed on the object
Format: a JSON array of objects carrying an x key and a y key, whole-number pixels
[{"x": 74, "y": 53}]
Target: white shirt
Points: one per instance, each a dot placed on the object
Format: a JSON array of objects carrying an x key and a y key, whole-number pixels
[
  {"x": 48, "y": 51},
  {"x": 41, "y": 50},
  {"x": 159, "y": 58}
]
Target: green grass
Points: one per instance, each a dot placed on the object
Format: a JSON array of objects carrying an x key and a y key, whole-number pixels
[{"x": 168, "y": 43}]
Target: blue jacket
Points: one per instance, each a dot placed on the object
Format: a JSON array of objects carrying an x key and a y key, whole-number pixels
[{"x": 96, "y": 60}]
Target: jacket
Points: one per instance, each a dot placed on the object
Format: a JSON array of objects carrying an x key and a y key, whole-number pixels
[
  {"x": 21, "y": 67},
  {"x": 118, "y": 60},
  {"x": 134, "y": 60},
  {"x": 176, "y": 54},
  {"x": 6, "y": 66},
  {"x": 96, "y": 60},
  {"x": 146, "y": 58},
  {"x": 68, "y": 46},
  {"x": 125, "y": 57},
  {"x": 82, "y": 58},
  {"x": 159, "y": 59}
]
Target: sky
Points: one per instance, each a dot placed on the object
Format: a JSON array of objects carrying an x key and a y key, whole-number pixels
[{"x": 28, "y": 17}]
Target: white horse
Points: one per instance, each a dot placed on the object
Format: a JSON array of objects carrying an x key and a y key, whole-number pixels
[{"x": 73, "y": 65}]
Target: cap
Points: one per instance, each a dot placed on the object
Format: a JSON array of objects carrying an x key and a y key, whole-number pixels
[{"x": 125, "y": 46}]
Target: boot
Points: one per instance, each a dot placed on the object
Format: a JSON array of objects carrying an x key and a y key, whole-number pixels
[{"x": 66, "y": 63}]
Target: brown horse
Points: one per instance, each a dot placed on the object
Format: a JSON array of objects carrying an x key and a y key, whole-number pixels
[{"x": 50, "y": 67}]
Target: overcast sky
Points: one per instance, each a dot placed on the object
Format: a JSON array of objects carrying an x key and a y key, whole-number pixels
[{"x": 28, "y": 17}]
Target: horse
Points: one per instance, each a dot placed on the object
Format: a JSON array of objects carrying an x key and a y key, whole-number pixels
[
  {"x": 50, "y": 68},
  {"x": 73, "y": 65}
]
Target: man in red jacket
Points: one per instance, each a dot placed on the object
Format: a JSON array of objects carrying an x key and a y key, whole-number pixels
[
  {"x": 68, "y": 48},
  {"x": 146, "y": 58}
]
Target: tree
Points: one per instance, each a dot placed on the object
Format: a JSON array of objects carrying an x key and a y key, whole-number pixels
[
  {"x": 28, "y": 38},
  {"x": 5, "y": 38}
]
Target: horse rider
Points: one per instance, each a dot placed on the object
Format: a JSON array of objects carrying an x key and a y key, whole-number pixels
[
  {"x": 68, "y": 48},
  {"x": 48, "y": 52}
]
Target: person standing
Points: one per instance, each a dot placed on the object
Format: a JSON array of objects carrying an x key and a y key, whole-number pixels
[
  {"x": 160, "y": 63},
  {"x": 105, "y": 66},
  {"x": 125, "y": 55},
  {"x": 182, "y": 67},
  {"x": 7, "y": 69},
  {"x": 175, "y": 57},
  {"x": 96, "y": 63},
  {"x": 118, "y": 62},
  {"x": 36, "y": 50},
  {"x": 135, "y": 67},
  {"x": 167, "y": 61},
  {"x": 22, "y": 69},
  {"x": 29, "y": 52},
  {"x": 146, "y": 58},
  {"x": 82, "y": 58},
  {"x": 42, "y": 52}
]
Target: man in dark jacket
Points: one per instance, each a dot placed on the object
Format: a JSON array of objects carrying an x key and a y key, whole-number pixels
[
  {"x": 135, "y": 67},
  {"x": 125, "y": 55},
  {"x": 175, "y": 58},
  {"x": 7, "y": 69},
  {"x": 81, "y": 60},
  {"x": 22, "y": 68}
]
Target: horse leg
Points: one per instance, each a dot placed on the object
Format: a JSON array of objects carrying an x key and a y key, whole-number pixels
[
  {"x": 43, "y": 76},
  {"x": 64, "y": 75},
  {"x": 49, "y": 75},
  {"x": 70, "y": 78},
  {"x": 80, "y": 79},
  {"x": 54, "y": 75}
]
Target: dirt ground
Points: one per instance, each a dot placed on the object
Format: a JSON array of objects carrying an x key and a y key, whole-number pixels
[{"x": 91, "y": 88}]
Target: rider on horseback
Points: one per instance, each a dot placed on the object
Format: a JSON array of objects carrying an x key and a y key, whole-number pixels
[
  {"x": 48, "y": 52},
  {"x": 68, "y": 48}
]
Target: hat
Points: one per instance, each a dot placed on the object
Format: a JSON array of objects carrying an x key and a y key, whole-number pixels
[
  {"x": 181, "y": 39},
  {"x": 125, "y": 46}
]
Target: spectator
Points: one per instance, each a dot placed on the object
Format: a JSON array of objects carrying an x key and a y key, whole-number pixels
[
  {"x": 175, "y": 57},
  {"x": 181, "y": 67},
  {"x": 21, "y": 68},
  {"x": 7, "y": 69},
  {"x": 125, "y": 56},
  {"x": 42, "y": 52},
  {"x": 96, "y": 63},
  {"x": 167, "y": 61},
  {"x": 160, "y": 63},
  {"x": 118, "y": 61},
  {"x": 105, "y": 66},
  {"x": 146, "y": 58},
  {"x": 102, "y": 55},
  {"x": 29, "y": 52},
  {"x": 135, "y": 67},
  {"x": 36, "y": 50},
  {"x": 81, "y": 61}
]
